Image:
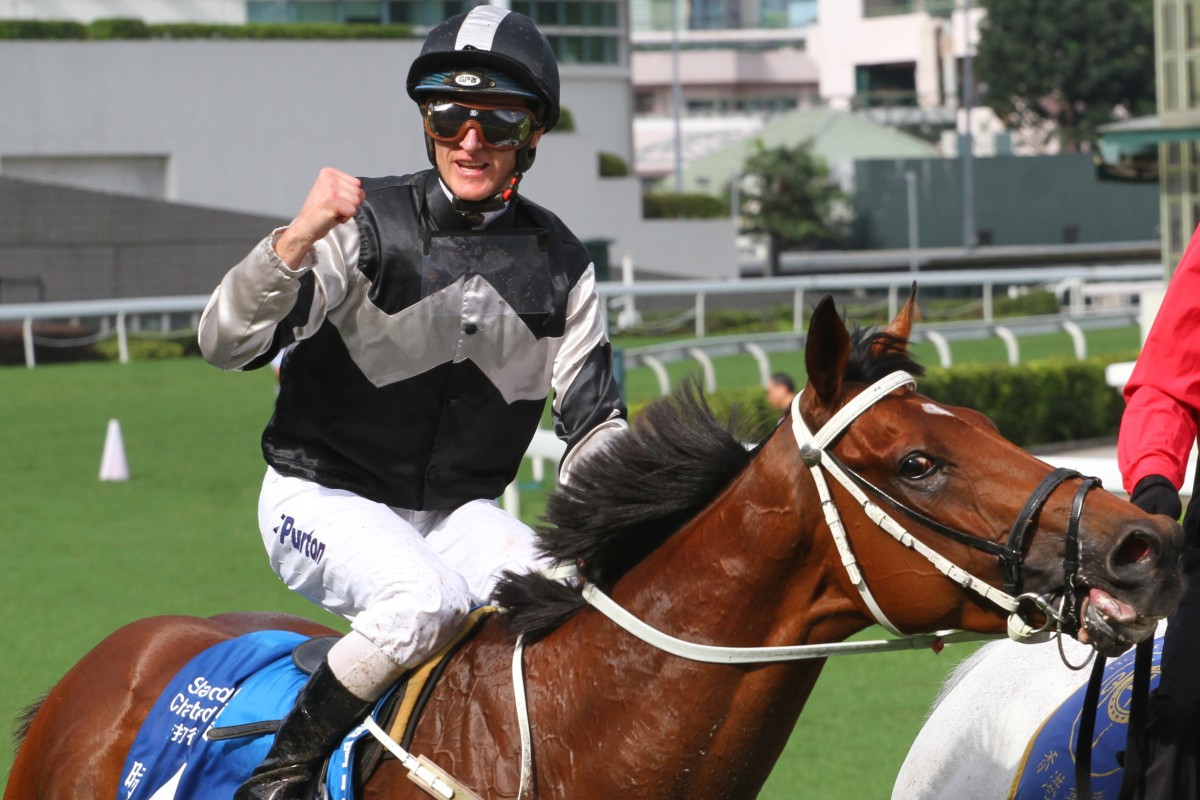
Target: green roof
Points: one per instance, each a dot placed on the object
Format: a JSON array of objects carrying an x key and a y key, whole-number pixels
[{"x": 838, "y": 136}]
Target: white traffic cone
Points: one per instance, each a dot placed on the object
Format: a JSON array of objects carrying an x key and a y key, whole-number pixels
[{"x": 113, "y": 466}]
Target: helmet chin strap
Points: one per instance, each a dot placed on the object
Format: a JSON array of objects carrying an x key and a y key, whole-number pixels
[{"x": 474, "y": 210}]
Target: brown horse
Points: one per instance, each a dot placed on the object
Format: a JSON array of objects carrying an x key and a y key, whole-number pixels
[{"x": 715, "y": 544}]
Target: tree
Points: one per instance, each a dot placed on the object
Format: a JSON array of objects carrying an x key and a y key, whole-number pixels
[
  {"x": 1074, "y": 63},
  {"x": 787, "y": 194}
]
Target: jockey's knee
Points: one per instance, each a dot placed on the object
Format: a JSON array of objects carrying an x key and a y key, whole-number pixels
[{"x": 411, "y": 622}]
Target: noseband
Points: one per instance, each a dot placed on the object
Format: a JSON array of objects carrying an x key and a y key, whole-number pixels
[{"x": 815, "y": 452}]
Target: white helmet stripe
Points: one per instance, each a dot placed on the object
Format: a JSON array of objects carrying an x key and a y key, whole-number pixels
[{"x": 479, "y": 28}]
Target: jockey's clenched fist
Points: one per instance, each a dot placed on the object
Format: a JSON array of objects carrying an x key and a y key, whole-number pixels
[{"x": 333, "y": 199}]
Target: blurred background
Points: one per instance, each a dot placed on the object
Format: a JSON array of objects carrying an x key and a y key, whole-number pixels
[{"x": 1034, "y": 167}]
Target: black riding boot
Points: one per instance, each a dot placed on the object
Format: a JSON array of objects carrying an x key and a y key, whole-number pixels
[{"x": 324, "y": 712}]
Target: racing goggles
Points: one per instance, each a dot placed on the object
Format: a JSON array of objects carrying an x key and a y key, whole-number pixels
[{"x": 507, "y": 128}]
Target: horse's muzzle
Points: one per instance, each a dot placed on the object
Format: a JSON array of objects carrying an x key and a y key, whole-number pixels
[{"x": 1131, "y": 585}]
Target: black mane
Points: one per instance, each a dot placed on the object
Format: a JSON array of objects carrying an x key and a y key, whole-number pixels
[
  {"x": 876, "y": 354},
  {"x": 629, "y": 498}
]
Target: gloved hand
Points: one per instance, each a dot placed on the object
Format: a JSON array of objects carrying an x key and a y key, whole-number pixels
[{"x": 1154, "y": 494}]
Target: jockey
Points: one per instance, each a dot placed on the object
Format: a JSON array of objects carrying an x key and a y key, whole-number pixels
[
  {"x": 429, "y": 317},
  {"x": 1158, "y": 431}
]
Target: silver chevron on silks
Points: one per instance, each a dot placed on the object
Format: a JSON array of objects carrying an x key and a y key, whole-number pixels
[{"x": 389, "y": 348}]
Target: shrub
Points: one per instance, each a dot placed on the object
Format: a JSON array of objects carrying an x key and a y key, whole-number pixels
[
  {"x": 54, "y": 342},
  {"x": 566, "y": 121},
  {"x": 37, "y": 29},
  {"x": 613, "y": 166},
  {"x": 142, "y": 349},
  {"x": 1026, "y": 305},
  {"x": 746, "y": 406},
  {"x": 1042, "y": 402},
  {"x": 121, "y": 28},
  {"x": 693, "y": 205},
  {"x": 1039, "y": 403}
]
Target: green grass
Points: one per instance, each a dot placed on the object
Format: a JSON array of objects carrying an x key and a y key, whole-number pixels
[{"x": 86, "y": 556}]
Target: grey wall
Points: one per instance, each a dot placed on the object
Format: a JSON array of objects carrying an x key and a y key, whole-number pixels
[
  {"x": 87, "y": 245},
  {"x": 245, "y": 126},
  {"x": 1020, "y": 201}
]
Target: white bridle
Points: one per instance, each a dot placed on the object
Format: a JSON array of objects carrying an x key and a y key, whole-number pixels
[{"x": 813, "y": 449}]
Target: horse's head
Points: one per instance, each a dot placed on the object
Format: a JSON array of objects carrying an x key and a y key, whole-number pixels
[{"x": 1040, "y": 547}]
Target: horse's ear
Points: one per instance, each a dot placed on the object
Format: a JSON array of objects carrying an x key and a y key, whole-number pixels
[
  {"x": 901, "y": 326},
  {"x": 826, "y": 351}
]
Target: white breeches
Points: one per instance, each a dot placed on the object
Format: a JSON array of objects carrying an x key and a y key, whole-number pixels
[{"x": 404, "y": 579}]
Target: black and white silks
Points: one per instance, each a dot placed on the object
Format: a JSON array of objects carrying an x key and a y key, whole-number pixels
[{"x": 424, "y": 350}]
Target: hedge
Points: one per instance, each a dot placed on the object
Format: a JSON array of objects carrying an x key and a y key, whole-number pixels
[
  {"x": 120, "y": 28},
  {"x": 1041, "y": 402},
  {"x": 1038, "y": 403},
  {"x": 689, "y": 205}
]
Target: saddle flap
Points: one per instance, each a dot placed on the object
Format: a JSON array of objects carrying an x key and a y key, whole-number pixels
[{"x": 309, "y": 654}]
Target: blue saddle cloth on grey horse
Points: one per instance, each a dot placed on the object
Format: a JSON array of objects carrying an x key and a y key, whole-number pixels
[{"x": 1048, "y": 772}]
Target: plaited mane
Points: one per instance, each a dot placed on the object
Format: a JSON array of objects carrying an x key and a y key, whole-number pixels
[{"x": 628, "y": 499}]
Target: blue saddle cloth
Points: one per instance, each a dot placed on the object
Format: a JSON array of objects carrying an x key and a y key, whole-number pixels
[
  {"x": 1049, "y": 769},
  {"x": 243, "y": 680}
]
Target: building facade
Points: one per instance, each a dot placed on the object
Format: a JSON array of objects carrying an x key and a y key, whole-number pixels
[
  {"x": 208, "y": 123},
  {"x": 1177, "y": 51}
]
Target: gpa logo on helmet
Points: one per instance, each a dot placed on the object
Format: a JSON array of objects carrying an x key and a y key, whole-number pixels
[{"x": 467, "y": 80}]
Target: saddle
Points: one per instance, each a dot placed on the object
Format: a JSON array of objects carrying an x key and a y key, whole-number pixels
[{"x": 213, "y": 724}]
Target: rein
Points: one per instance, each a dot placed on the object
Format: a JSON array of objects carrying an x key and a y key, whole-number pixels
[
  {"x": 815, "y": 452},
  {"x": 816, "y": 455}
]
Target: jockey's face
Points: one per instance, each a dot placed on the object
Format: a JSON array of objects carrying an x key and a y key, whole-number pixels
[{"x": 472, "y": 168}]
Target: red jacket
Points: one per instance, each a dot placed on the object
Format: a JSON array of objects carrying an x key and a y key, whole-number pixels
[{"x": 1162, "y": 412}]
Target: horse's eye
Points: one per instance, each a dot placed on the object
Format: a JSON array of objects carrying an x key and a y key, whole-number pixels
[{"x": 916, "y": 466}]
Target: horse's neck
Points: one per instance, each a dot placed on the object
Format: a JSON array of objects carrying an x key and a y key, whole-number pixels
[
  {"x": 746, "y": 572},
  {"x": 757, "y": 567}
]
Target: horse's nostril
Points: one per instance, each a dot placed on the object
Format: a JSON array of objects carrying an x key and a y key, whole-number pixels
[{"x": 1135, "y": 548}]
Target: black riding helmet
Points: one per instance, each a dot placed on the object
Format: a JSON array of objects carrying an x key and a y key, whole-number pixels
[{"x": 489, "y": 50}]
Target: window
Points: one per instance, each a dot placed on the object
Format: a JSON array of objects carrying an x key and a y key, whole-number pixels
[
  {"x": 316, "y": 11},
  {"x": 882, "y": 8},
  {"x": 364, "y": 12},
  {"x": 600, "y": 47},
  {"x": 600, "y": 14},
  {"x": 547, "y": 12},
  {"x": 267, "y": 11},
  {"x": 886, "y": 85}
]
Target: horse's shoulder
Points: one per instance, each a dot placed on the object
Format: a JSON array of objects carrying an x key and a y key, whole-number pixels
[{"x": 989, "y": 708}]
